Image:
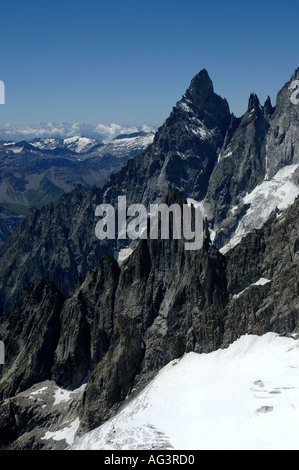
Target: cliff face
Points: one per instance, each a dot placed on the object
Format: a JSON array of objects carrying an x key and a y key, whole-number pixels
[
  {"x": 256, "y": 147},
  {"x": 241, "y": 164},
  {"x": 30, "y": 334},
  {"x": 121, "y": 325},
  {"x": 283, "y": 139}
]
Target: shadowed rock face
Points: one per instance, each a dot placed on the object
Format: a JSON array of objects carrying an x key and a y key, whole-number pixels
[
  {"x": 30, "y": 334},
  {"x": 87, "y": 325},
  {"x": 242, "y": 161},
  {"x": 255, "y": 148}
]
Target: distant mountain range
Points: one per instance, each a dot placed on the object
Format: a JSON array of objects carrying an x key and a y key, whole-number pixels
[
  {"x": 38, "y": 172},
  {"x": 16, "y": 133}
]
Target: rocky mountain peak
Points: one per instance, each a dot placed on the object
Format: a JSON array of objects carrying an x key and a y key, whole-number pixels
[
  {"x": 295, "y": 75},
  {"x": 201, "y": 87},
  {"x": 283, "y": 139},
  {"x": 253, "y": 102},
  {"x": 211, "y": 106},
  {"x": 268, "y": 108}
]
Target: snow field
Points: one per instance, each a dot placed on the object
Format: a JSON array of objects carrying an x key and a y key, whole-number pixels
[{"x": 242, "y": 397}]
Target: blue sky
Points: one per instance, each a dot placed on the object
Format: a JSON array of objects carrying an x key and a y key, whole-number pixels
[{"x": 129, "y": 61}]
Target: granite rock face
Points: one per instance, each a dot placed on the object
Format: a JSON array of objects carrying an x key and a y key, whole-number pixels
[
  {"x": 283, "y": 139},
  {"x": 56, "y": 243},
  {"x": 30, "y": 333},
  {"x": 87, "y": 325},
  {"x": 241, "y": 163},
  {"x": 184, "y": 150},
  {"x": 256, "y": 147},
  {"x": 31, "y": 419}
]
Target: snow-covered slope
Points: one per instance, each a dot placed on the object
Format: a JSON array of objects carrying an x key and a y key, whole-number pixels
[
  {"x": 134, "y": 143},
  {"x": 121, "y": 144},
  {"x": 278, "y": 192},
  {"x": 242, "y": 397},
  {"x": 76, "y": 143}
]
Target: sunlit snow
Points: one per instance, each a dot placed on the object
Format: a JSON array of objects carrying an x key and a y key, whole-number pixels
[
  {"x": 242, "y": 397},
  {"x": 261, "y": 282},
  {"x": 67, "y": 433},
  {"x": 279, "y": 192}
]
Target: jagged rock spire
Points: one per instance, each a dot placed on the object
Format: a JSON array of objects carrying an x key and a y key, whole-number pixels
[
  {"x": 201, "y": 87},
  {"x": 253, "y": 102},
  {"x": 201, "y": 94},
  {"x": 268, "y": 108}
]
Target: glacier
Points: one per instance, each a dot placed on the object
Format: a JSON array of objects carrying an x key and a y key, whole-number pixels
[
  {"x": 278, "y": 192},
  {"x": 244, "y": 397}
]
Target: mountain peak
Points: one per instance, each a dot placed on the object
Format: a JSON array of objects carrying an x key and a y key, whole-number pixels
[
  {"x": 202, "y": 80},
  {"x": 201, "y": 87},
  {"x": 268, "y": 108},
  {"x": 295, "y": 75},
  {"x": 212, "y": 108},
  {"x": 253, "y": 102}
]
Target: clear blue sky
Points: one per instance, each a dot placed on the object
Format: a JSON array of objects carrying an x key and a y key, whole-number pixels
[{"x": 130, "y": 61}]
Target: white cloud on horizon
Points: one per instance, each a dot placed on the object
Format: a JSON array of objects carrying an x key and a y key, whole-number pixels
[{"x": 51, "y": 129}]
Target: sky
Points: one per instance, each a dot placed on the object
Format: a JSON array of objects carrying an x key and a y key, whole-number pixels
[{"x": 128, "y": 62}]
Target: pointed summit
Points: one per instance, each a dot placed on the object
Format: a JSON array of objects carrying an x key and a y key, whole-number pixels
[
  {"x": 268, "y": 108},
  {"x": 295, "y": 75},
  {"x": 253, "y": 102},
  {"x": 212, "y": 108},
  {"x": 201, "y": 87},
  {"x": 282, "y": 141}
]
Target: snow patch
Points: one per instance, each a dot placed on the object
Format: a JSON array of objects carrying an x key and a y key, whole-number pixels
[
  {"x": 222, "y": 157},
  {"x": 67, "y": 433},
  {"x": 38, "y": 392},
  {"x": 81, "y": 143},
  {"x": 200, "y": 131},
  {"x": 61, "y": 395},
  {"x": 261, "y": 282},
  {"x": 123, "y": 254},
  {"x": 185, "y": 107}
]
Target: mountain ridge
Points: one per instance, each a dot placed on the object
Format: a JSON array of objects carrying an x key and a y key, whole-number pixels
[
  {"x": 115, "y": 326},
  {"x": 39, "y": 172},
  {"x": 183, "y": 155}
]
